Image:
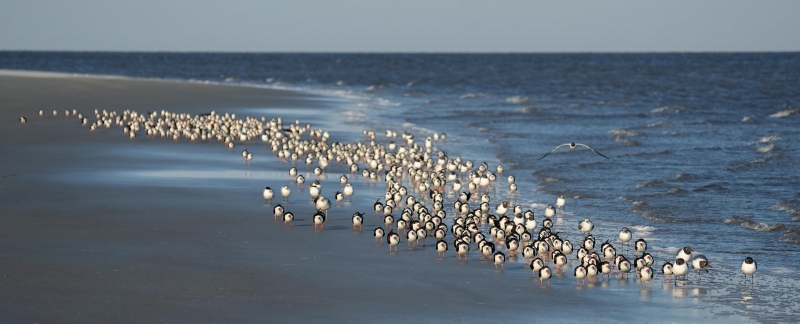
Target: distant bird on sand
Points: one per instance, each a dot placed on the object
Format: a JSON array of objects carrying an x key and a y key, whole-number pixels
[{"x": 572, "y": 145}]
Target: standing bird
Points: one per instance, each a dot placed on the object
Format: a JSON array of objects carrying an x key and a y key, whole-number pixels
[
  {"x": 441, "y": 248},
  {"x": 358, "y": 221},
  {"x": 502, "y": 208},
  {"x": 646, "y": 274},
  {"x": 411, "y": 237},
  {"x": 572, "y": 145},
  {"x": 285, "y": 192},
  {"x": 300, "y": 181},
  {"x": 680, "y": 269},
  {"x": 544, "y": 274},
  {"x": 499, "y": 260},
  {"x": 549, "y": 211},
  {"x": 288, "y": 217},
  {"x": 378, "y": 233},
  {"x": 268, "y": 194},
  {"x": 666, "y": 270},
  {"x": 641, "y": 246},
  {"x": 536, "y": 265},
  {"x": 348, "y": 192},
  {"x": 319, "y": 220},
  {"x": 699, "y": 262},
  {"x": 586, "y": 226},
  {"x": 625, "y": 236},
  {"x": 580, "y": 275},
  {"x": 393, "y": 239},
  {"x": 462, "y": 248},
  {"x": 322, "y": 204},
  {"x": 749, "y": 267},
  {"x": 22, "y": 119},
  {"x": 560, "y": 202},
  {"x": 685, "y": 254},
  {"x": 277, "y": 211}
]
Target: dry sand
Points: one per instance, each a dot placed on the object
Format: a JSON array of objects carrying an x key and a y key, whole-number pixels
[{"x": 96, "y": 228}]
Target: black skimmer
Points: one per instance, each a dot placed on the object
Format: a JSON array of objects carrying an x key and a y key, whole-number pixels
[
  {"x": 580, "y": 275},
  {"x": 358, "y": 221},
  {"x": 319, "y": 220},
  {"x": 646, "y": 274},
  {"x": 277, "y": 211},
  {"x": 378, "y": 233}
]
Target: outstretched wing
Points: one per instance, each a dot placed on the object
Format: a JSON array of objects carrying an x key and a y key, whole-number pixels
[
  {"x": 548, "y": 153},
  {"x": 593, "y": 150}
]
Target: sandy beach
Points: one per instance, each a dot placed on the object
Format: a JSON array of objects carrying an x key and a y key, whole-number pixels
[{"x": 98, "y": 228}]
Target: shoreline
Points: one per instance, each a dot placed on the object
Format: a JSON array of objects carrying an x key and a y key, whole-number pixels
[{"x": 84, "y": 242}]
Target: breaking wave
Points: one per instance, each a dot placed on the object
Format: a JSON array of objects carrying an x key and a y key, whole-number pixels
[
  {"x": 668, "y": 109},
  {"x": 785, "y": 113},
  {"x": 517, "y": 100},
  {"x": 474, "y": 95}
]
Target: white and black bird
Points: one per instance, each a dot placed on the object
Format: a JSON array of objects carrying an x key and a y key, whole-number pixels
[
  {"x": 646, "y": 274},
  {"x": 22, "y": 119},
  {"x": 580, "y": 275},
  {"x": 358, "y": 221},
  {"x": 277, "y": 211},
  {"x": 348, "y": 192},
  {"x": 680, "y": 269},
  {"x": 462, "y": 248},
  {"x": 545, "y": 274},
  {"x": 393, "y": 239},
  {"x": 749, "y": 267},
  {"x": 499, "y": 260},
  {"x": 586, "y": 226},
  {"x": 625, "y": 236},
  {"x": 549, "y": 211},
  {"x": 685, "y": 253},
  {"x": 560, "y": 202},
  {"x": 378, "y": 233},
  {"x": 666, "y": 270},
  {"x": 319, "y": 220},
  {"x": 288, "y": 217},
  {"x": 441, "y": 248},
  {"x": 640, "y": 245},
  {"x": 699, "y": 263},
  {"x": 572, "y": 145},
  {"x": 268, "y": 195},
  {"x": 286, "y": 192}
]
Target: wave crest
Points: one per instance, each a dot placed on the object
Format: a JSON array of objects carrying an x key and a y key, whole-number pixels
[
  {"x": 785, "y": 113},
  {"x": 475, "y": 95},
  {"x": 749, "y": 224},
  {"x": 668, "y": 109},
  {"x": 517, "y": 100}
]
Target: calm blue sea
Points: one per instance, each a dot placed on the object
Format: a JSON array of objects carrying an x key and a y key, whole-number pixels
[{"x": 704, "y": 148}]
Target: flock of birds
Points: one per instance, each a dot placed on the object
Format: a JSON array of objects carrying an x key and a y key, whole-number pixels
[{"x": 413, "y": 206}]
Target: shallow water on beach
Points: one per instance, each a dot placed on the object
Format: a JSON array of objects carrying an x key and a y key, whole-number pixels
[{"x": 703, "y": 147}]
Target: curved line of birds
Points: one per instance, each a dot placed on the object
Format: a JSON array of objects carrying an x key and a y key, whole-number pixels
[{"x": 428, "y": 174}]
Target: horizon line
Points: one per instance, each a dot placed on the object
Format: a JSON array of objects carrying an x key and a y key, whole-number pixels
[{"x": 398, "y": 52}]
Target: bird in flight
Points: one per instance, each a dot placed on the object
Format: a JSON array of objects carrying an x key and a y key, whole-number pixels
[{"x": 572, "y": 145}]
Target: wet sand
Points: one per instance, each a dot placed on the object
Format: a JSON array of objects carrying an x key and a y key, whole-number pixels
[{"x": 96, "y": 228}]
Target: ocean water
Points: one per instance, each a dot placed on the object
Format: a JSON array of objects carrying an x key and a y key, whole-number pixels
[{"x": 703, "y": 147}]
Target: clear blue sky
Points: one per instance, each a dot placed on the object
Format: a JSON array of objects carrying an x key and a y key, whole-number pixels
[{"x": 400, "y": 26}]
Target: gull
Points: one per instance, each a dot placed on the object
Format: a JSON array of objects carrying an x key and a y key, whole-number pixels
[
  {"x": 749, "y": 267},
  {"x": 572, "y": 145}
]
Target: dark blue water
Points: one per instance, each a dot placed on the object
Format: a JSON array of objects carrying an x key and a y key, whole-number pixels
[{"x": 703, "y": 147}]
